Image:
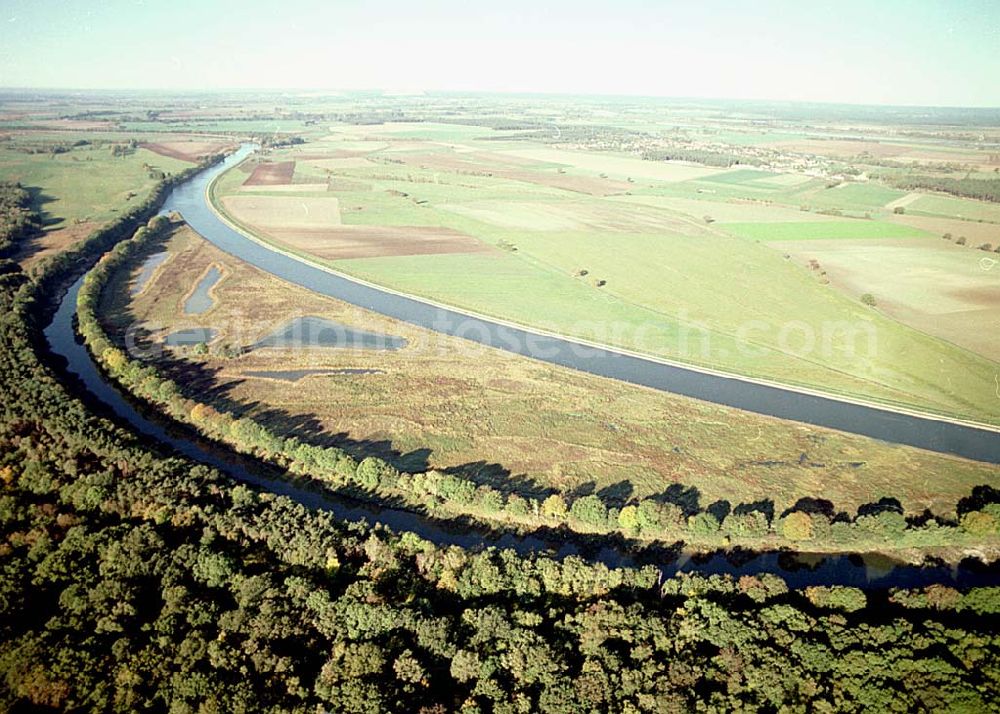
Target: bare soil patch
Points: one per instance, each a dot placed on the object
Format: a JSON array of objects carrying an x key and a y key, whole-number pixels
[
  {"x": 378, "y": 241},
  {"x": 333, "y": 154},
  {"x": 840, "y": 147},
  {"x": 928, "y": 284},
  {"x": 192, "y": 151},
  {"x": 273, "y": 174},
  {"x": 351, "y": 162},
  {"x": 974, "y": 232},
  {"x": 71, "y": 124},
  {"x": 984, "y": 296},
  {"x": 901, "y": 202}
]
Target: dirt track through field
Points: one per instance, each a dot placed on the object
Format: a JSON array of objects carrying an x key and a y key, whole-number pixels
[{"x": 902, "y": 202}]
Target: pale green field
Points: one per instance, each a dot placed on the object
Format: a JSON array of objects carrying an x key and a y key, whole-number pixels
[
  {"x": 422, "y": 130},
  {"x": 956, "y": 208},
  {"x": 647, "y": 271},
  {"x": 743, "y": 176},
  {"x": 730, "y": 210},
  {"x": 817, "y": 230},
  {"x": 930, "y": 284},
  {"x": 851, "y": 197},
  {"x": 617, "y": 166}
]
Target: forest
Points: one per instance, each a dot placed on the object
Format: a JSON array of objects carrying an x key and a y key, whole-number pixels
[
  {"x": 978, "y": 188},
  {"x": 135, "y": 579}
]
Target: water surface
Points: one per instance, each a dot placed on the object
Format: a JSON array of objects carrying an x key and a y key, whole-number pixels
[
  {"x": 146, "y": 270},
  {"x": 318, "y": 333},
  {"x": 191, "y": 336}
]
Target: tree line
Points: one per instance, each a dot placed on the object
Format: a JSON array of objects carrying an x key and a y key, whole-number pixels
[
  {"x": 18, "y": 220},
  {"x": 708, "y": 157},
  {"x": 982, "y": 189}
]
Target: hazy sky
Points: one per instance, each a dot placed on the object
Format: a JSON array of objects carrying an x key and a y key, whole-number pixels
[{"x": 940, "y": 52}]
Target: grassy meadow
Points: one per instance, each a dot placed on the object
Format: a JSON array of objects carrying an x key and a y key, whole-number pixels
[{"x": 77, "y": 191}]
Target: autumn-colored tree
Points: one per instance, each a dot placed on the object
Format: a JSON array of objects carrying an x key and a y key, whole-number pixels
[
  {"x": 797, "y": 526},
  {"x": 555, "y": 507}
]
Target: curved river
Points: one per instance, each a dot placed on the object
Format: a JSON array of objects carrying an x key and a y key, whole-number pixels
[
  {"x": 797, "y": 569},
  {"x": 944, "y": 436}
]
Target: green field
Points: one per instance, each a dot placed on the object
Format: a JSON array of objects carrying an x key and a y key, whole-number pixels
[
  {"x": 822, "y": 230},
  {"x": 742, "y": 176},
  {"x": 956, "y": 208},
  {"x": 852, "y": 196},
  {"x": 85, "y": 184}
]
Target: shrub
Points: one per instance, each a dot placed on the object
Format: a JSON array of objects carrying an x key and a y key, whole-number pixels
[
  {"x": 983, "y": 601},
  {"x": 590, "y": 509},
  {"x": 517, "y": 505},
  {"x": 373, "y": 472},
  {"x": 489, "y": 499},
  {"x": 703, "y": 523},
  {"x": 960, "y": 241},
  {"x": 837, "y": 597},
  {"x": 868, "y": 299},
  {"x": 980, "y": 523},
  {"x": 555, "y": 507},
  {"x": 942, "y": 597},
  {"x": 659, "y": 516},
  {"x": 628, "y": 518},
  {"x": 885, "y": 523},
  {"x": 752, "y": 524},
  {"x": 763, "y": 587},
  {"x": 456, "y": 489},
  {"x": 797, "y": 526},
  {"x": 899, "y": 210}
]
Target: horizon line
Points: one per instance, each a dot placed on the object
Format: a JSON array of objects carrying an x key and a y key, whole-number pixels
[{"x": 400, "y": 93}]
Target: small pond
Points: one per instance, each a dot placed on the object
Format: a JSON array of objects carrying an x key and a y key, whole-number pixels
[
  {"x": 200, "y": 301},
  {"x": 146, "y": 270},
  {"x": 319, "y": 333},
  {"x": 190, "y": 337}
]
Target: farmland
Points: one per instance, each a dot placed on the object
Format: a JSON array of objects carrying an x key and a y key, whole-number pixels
[
  {"x": 580, "y": 235},
  {"x": 930, "y": 284},
  {"x": 645, "y": 255}
]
